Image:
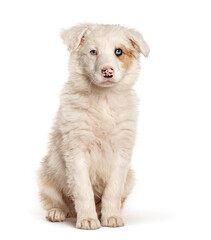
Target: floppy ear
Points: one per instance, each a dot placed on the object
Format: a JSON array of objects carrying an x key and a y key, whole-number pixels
[
  {"x": 138, "y": 42},
  {"x": 74, "y": 36}
]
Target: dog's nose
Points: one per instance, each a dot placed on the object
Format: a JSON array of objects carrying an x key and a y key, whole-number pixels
[{"x": 107, "y": 72}]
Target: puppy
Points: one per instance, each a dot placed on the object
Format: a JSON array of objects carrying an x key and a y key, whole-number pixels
[{"x": 86, "y": 173}]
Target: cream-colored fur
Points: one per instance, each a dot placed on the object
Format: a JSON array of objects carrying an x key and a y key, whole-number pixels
[{"x": 86, "y": 172}]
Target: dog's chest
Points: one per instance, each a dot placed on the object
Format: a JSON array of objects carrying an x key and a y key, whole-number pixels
[
  {"x": 101, "y": 119},
  {"x": 105, "y": 122}
]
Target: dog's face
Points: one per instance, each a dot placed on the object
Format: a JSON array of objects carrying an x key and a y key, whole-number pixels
[{"x": 105, "y": 53}]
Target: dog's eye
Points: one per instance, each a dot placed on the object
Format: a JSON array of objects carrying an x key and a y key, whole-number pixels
[
  {"x": 118, "y": 52},
  {"x": 93, "y": 52}
]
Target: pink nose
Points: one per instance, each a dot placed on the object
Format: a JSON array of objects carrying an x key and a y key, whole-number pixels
[{"x": 107, "y": 72}]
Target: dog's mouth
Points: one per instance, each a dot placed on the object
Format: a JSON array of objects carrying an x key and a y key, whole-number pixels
[
  {"x": 104, "y": 81},
  {"x": 108, "y": 82},
  {"x": 108, "y": 76}
]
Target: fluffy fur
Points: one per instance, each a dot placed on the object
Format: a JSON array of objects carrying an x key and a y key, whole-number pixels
[{"x": 86, "y": 173}]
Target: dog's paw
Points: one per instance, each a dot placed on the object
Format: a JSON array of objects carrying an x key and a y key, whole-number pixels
[
  {"x": 88, "y": 224},
  {"x": 55, "y": 215},
  {"x": 112, "y": 222}
]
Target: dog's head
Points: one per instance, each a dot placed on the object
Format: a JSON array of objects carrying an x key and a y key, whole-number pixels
[{"x": 105, "y": 53}]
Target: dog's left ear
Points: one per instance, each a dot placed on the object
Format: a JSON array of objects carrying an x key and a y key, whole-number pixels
[
  {"x": 138, "y": 42},
  {"x": 74, "y": 36}
]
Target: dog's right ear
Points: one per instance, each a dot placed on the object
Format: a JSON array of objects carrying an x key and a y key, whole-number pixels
[{"x": 74, "y": 36}]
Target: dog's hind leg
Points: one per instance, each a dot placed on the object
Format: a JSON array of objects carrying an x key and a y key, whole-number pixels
[{"x": 52, "y": 200}]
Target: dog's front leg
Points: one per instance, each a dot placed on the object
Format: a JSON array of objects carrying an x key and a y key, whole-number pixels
[
  {"x": 112, "y": 196},
  {"x": 79, "y": 180}
]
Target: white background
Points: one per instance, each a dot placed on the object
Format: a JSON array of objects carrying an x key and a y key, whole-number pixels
[{"x": 172, "y": 155}]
